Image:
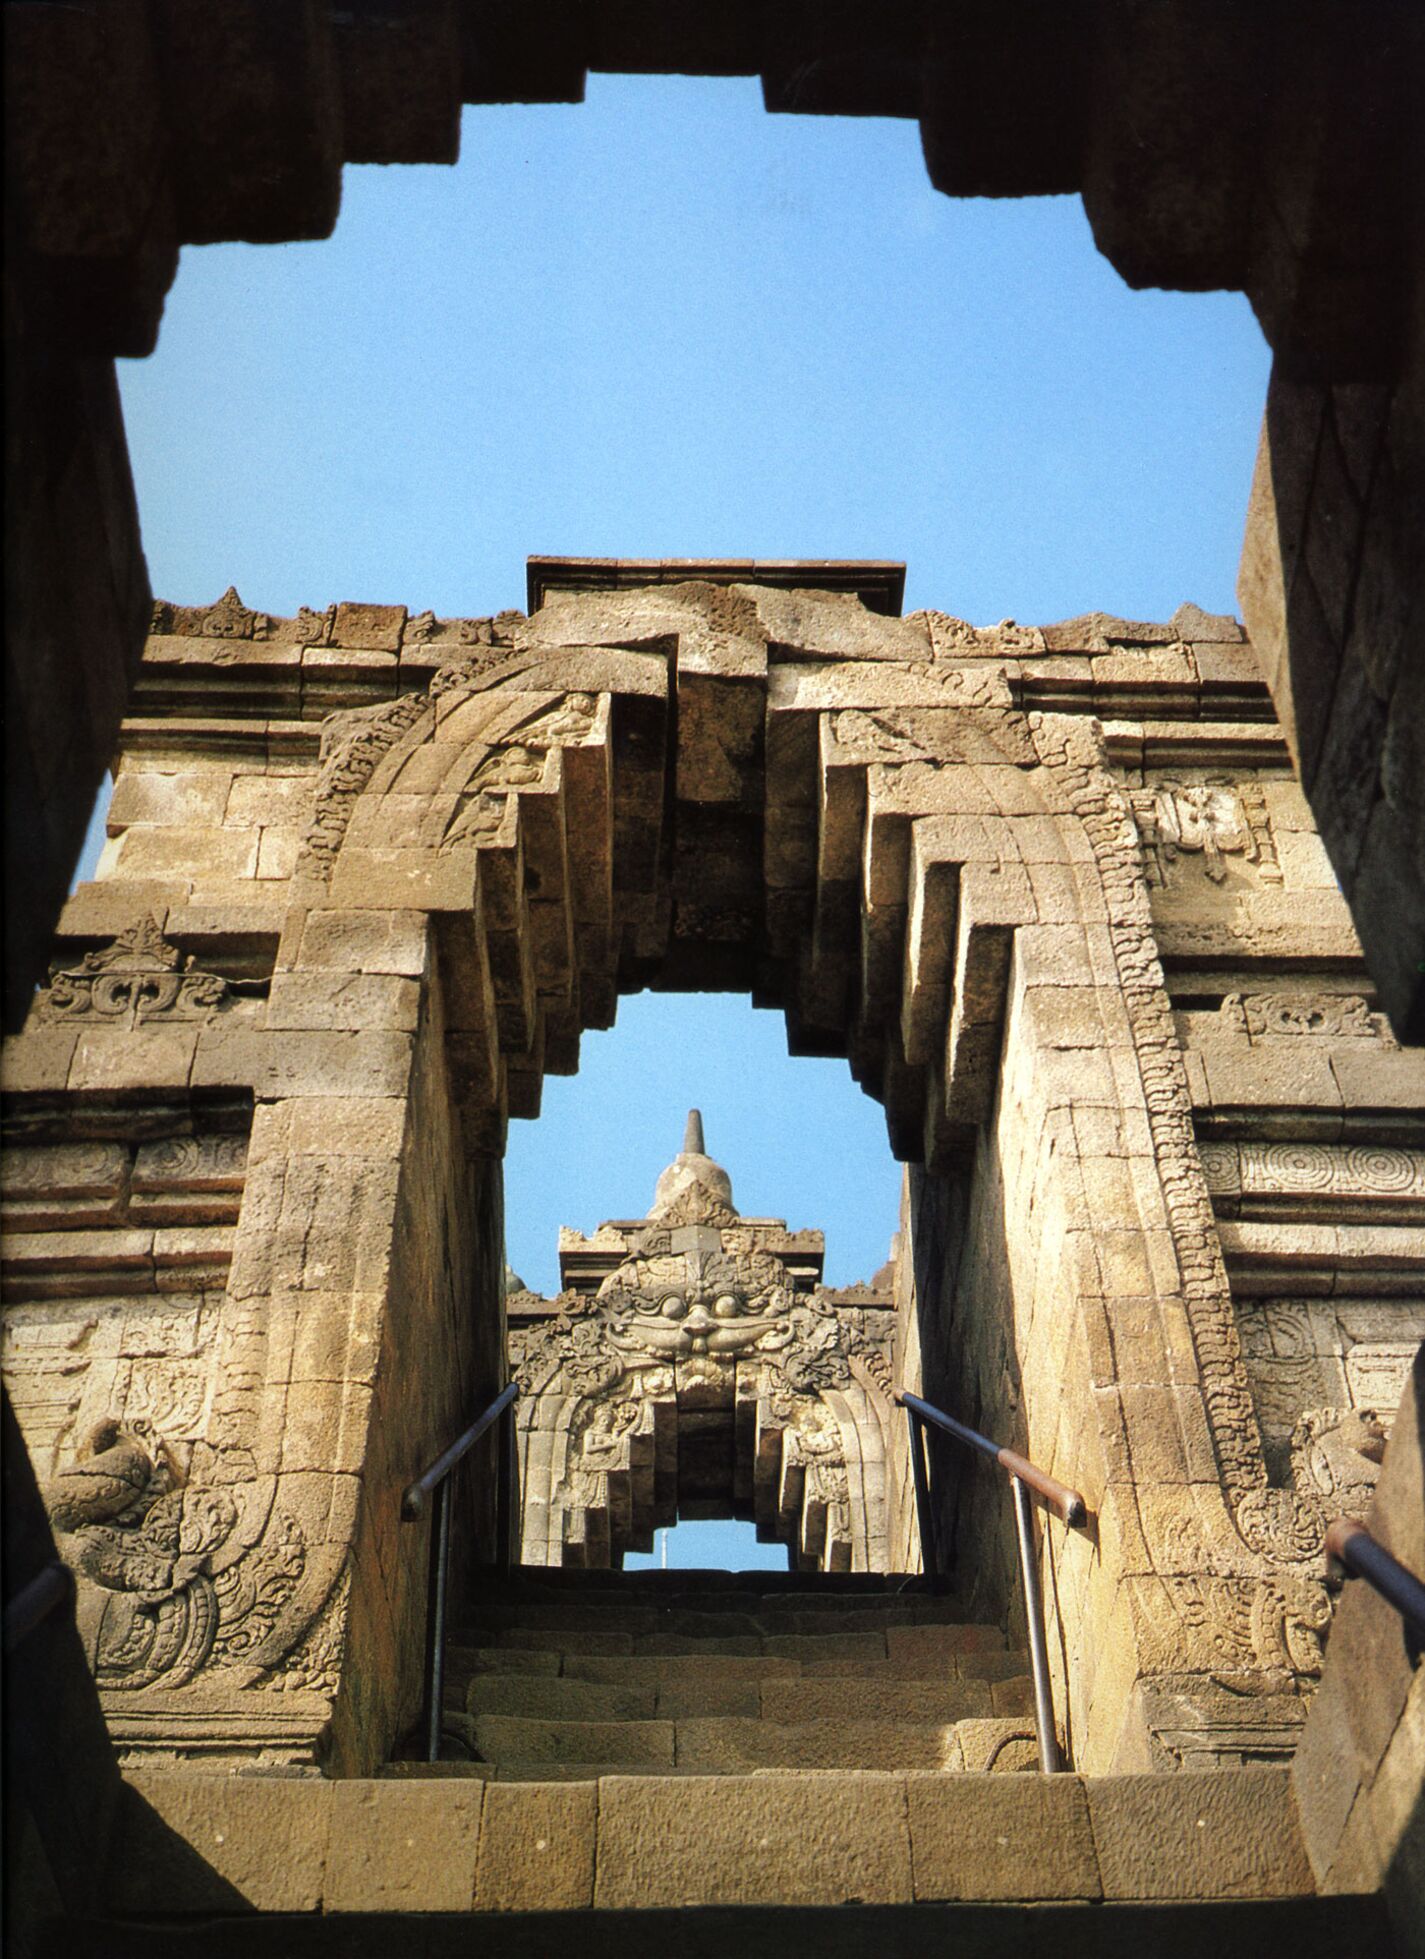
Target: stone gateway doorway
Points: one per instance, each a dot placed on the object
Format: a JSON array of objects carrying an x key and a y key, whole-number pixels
[
  {"x": 1051, "y": 892},
  {"x": 694, "y": 1368}
]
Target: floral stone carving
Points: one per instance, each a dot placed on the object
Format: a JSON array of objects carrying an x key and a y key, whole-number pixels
[{"x": 140, "y": 977}]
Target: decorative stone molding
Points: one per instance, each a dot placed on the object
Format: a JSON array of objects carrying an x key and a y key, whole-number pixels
[
  {"x": 1273, "y": 1524},
  {"x": 353, "y": 742},
  {"x": 1365, "y": 1172}
]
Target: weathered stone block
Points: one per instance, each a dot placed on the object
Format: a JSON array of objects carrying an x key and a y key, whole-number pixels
[
  {"x": 1001, "y": 1837},
  {"x": 194, "y": 799},
  {"x": 357, "y": 1002},
  {"x": 763, "y": 1840},
  {"x": 537, "y": 1847},
  {"x": 375, "y": 626},
  {"x": 153, "y": 851},
  {"x": 403, "y": 1846},
  {"x": 1198, "y": 1835},
  {"x": 365, "y": 942},
  {"x": 215, "y": 1843}
]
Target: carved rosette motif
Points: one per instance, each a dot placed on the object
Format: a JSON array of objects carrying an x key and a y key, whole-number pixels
[{"x": 140, "y": 977}]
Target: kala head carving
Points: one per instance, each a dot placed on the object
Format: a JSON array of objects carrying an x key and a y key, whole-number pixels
[{"x": 696, "y": 1303}]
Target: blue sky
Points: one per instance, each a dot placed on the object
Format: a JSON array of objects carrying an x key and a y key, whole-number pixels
[{"x": 666, "y": 323}]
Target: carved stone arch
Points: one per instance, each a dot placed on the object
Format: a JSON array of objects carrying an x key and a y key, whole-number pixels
[
  {"x": 701, "y": 1381},
  {"x": 852, "y": 817},
  {"x": 943, "y": 888}
]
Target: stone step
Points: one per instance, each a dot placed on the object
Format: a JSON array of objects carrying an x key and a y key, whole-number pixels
[
  {"x": 806, "y": 1597},
  {"x": 678, "y": 1699},
  {"x": 926, "y": 1643},
  {"x": 737, "y": 1745},
  {"x": 1308, "y": 1928},
  {"x": 206, "y": 1847},
  {"x": 745, "y": 1615},
  {"x": 652, "y": 1670},
  {"x": 844, "y": 1584}
]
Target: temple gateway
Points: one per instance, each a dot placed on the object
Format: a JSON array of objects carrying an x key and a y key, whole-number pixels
[{"x": 342, "y": 1507}]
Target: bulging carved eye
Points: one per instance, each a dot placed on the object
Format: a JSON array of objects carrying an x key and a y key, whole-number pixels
[
  {"x": 727, "y": 1306},
  {"x": 673, "y": 1306}
]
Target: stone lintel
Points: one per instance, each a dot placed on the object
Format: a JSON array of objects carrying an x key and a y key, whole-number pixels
[{"x": 879, "y": 583}]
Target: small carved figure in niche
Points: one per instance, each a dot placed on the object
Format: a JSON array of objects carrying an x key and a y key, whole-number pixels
[
  {"x": 1336, "y": 1454},
  {"x": 483, "y": 811},
  {"x": 568, "y": 720},
  {"x": 1204, "y": 817}
]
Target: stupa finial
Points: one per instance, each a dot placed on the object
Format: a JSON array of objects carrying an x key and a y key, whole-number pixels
[{"x": 693, "y": 1171}]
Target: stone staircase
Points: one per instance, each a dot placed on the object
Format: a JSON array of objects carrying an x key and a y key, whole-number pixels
[
  {"x": 574, "y": 1675},
  {"x": 704, "y": 1762}
]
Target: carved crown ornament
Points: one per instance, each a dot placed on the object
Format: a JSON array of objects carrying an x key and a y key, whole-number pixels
[{"x": 140, "y": 977}]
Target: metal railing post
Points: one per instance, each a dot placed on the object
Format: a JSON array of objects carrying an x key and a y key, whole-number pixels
[
  {"x": 507, "y": 1518},
  {"x": 1352, "y": 1550},
  {"x": 1026, "y": 1479},
  {"x": 1049, "y": 1761},
  {"x": 439, "y": 1580},
  {"x": 925, "y": 1516},
  {"x": 415, "y": 1505}
]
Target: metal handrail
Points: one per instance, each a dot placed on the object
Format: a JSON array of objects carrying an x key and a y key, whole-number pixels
[
  {"x": 1359, "y": 1554},
  {"x": 1024, "y": 1477},
  {"x": 51, "y": 1587},
  {"x": 1063, "y": 1501},
  {"x": 413, "y": 1507}
]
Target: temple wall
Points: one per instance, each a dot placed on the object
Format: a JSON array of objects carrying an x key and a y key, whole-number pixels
[
  {"x": 1330, "y": 590},
  {"x": 1054, "y": 894}
]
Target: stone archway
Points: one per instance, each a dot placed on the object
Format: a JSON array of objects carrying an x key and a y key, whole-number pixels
[
  {"x": 705, "y": 1377},
  {"x": 914, "y": 837}
]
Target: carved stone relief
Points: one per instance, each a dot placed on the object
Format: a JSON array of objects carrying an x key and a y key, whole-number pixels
[
  {"x": 148, "y": 1413},
  {"x": 1325, "y": 1377},
  {"x": 1276, "y": 1525},
  {"x": 353, "y": 743},
  {"x": 1209, "y": 824},
  {"x": 1363, "y": 1173},
  {"x": 714, "y": 1354},
  {"x": 1343, "y": 1016},
  {"x": 173, "y": 1582},
  {"x": 139, "y": 977}
]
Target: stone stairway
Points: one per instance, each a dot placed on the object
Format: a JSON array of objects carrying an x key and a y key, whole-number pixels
[
  {"x": 579, "y": 1674},
  {"x": 705, "y": 1762}
]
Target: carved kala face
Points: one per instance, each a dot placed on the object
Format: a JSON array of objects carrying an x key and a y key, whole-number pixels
[
  {"x": 696, "y": 1321},
  {"x": 713, "y": 1303}
]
